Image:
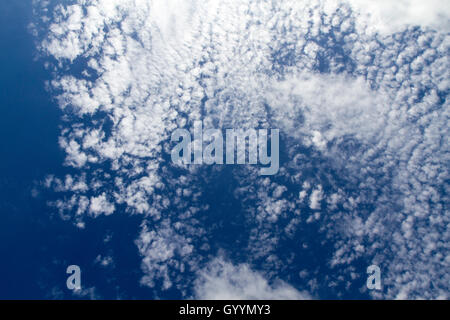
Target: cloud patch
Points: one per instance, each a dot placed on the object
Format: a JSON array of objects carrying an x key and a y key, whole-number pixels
[{"x": 222, "y": 280}]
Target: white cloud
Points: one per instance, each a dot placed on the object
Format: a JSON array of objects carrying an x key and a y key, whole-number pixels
[
  {"x": 371, "y": 108},
  {"x": 333, "y": 106},
  {"x": 390, "y": 16},
  {"x": 224, "y": 281},
  {"x": 316, "y": 197},
  {"x": 100, "y": 205}
]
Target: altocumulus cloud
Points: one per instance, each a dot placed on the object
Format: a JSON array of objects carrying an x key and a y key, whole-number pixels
[{"x": 361, "y": 85}]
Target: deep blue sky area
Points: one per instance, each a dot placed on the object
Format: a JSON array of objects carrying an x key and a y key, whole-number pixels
[
  {"x": 29, "y": 150},
  {"x": 25, "y": 156}
]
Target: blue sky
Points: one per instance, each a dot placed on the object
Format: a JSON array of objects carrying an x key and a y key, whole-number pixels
[{"x": 91, "y": 91}]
